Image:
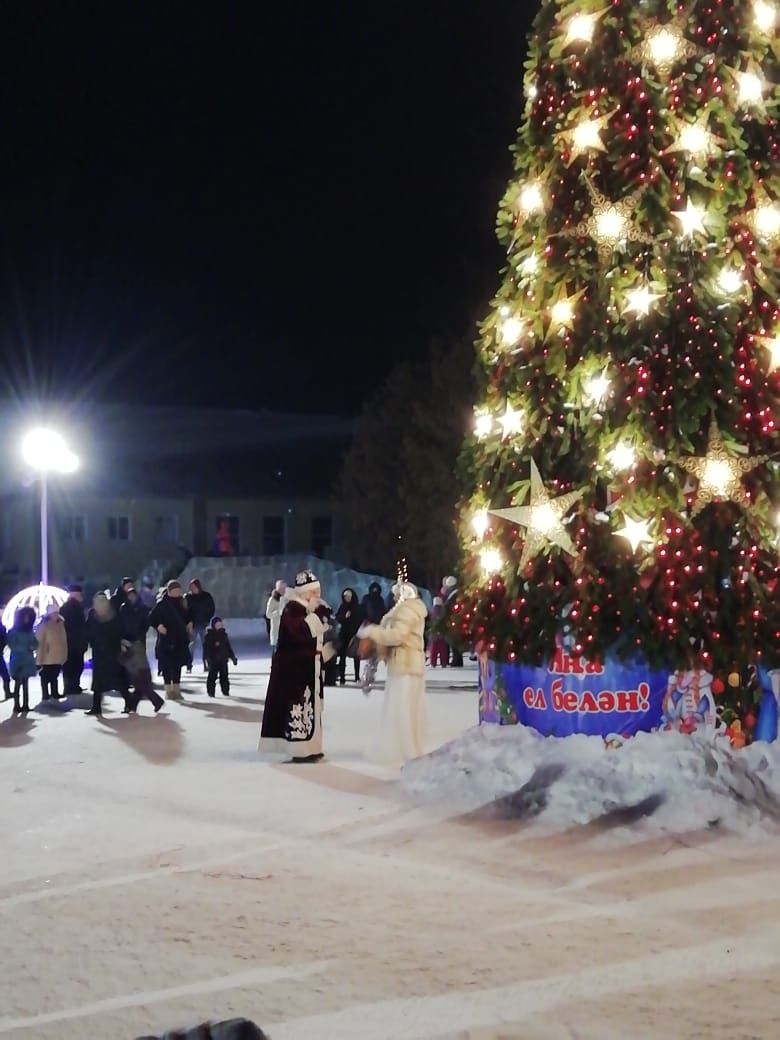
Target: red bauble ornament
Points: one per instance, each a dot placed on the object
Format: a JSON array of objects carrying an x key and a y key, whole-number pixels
[
  {"x": 717, "y": 687},
  {"x": 750, "y": 720}
]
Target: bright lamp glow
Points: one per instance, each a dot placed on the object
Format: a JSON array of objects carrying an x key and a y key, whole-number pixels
[
  {"x": 750, "y": 89},
  {"x": 531, "y": 199},
  {"x": 596, "y": 388},
  {"x": 766, "y": 219},
  {"x": 480, "y": 523},
  {"x": 718, "y": 475},
  {"x": 581, "y": 28},
  {"x": 765, "y": 15},
  {"x": 512, "y": 330},
  {"x": 730, "y": 281},
  {"x": 611, "y": 225},
  {"x": 491, "y": 561},
  {"x": 483, "y": 424},
  {"x": 562, "y": 312},
  {"x": 46, "y": 451},
  {"x": 695, "y": 139},
  {"x": 544, "y": 519},
  {"x": 663, "y": 46},
  {"x": 39, "y": 597},
  {"x": 586, "y": 135},
  {"x": 622, "y": 456}
]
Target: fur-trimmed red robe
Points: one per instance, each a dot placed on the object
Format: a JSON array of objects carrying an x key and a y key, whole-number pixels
[{"x": 293, "y": 700}]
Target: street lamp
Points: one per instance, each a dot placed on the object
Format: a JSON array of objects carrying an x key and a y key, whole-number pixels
[{"x": 46, "y": 452}]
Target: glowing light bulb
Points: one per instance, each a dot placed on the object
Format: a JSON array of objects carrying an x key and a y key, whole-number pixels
[
  {"x": 695, "y": 139},
  {"x": 636, "y": 532},
  {"x": 531, "y": 199},
  {"x": 765, "y": 15},
  {"x": 511, "y": 421},
  {"x": 622, "y": 456},
  {"x": 587, "y": 134},
  {"x": 562, "y": 312},
  {"x": 530, "y": 265},
  {"x": 718, "y": 475},
  {"x": 596, "y": 388},
  {"x": 750, "y": 89},
  {"x": 766, "y": 219},
  {"x": 640, "y": 300},
  {"x": 483, "y": 425},
  {"x": 581, "y": 28},
  {"x": 544, "y": 519},
  {"x": 533, "y": 91},
  {"x": 480, "y": 523},
  {"x": 611, "y": 225},
  {"x": 512, "y": 330},
  {"x": 663, "y": 46},
  {"x": 491, "y": 561},
  {"x": 730, "y": 281}
]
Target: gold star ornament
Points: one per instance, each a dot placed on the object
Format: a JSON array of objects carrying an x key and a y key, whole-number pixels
[
  {"x": 720, "y": 473},
  {"x": 542, "y": 518},
  {"x": 611, "y": 224}
]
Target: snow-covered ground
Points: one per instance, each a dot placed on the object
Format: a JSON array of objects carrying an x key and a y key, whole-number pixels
[{"x": 154, "y": 872}]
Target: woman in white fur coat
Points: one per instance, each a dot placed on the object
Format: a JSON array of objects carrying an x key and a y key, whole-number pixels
[{"x": 399, "y": 640}]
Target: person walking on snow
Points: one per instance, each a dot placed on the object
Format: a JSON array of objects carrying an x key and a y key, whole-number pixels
[
  {"x": 201, "y": 607},
  {"x": 52, "y": 651},
  {"x": 273, "y": 613},
  {"x": 22, "y": 644},
  {"x": 72, "y": 613},
  {"x": 218, "y": 652},
  {"x": 349, "y": 616},
  {"x": 399, "y": 641},
  {"x": 439, "y": 648},
  {"x": 171, "y": 619},
  {"x": 105, "y": 638},
  {"x": 292, "y": 718}
]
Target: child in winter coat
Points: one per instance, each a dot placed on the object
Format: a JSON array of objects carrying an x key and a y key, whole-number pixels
[
  {"x": 132, "y": 657},
  {"x": 3, "y": 667},
  {"x": 217, "y": 652},
  {"x": 52, "y": 651},
  {"x": 23, "y": 644}
]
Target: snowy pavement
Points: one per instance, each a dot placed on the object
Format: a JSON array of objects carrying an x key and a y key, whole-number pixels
[{"x": 155, "y": 873}]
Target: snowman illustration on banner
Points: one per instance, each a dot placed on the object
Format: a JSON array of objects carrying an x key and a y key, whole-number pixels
[{"x": 689, "y": 703}]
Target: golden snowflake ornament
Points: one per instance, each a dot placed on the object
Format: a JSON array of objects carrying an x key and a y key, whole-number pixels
[
  {"x": 611, "y": 223},
  {"x": 720, "y": 473},
  {"x": 542, "y": 518},
  {"x": 665, "y": 45}
]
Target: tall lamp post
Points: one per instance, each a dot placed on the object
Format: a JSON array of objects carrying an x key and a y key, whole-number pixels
[{"x": 45, "y": 452}]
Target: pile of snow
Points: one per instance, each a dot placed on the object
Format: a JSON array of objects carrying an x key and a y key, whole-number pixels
[{"x": 666, "y": 781}]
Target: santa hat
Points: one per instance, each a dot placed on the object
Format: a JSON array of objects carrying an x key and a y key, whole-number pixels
[
  {"x": 280, "y": 587},
  {"x": 307, "y": 581}
]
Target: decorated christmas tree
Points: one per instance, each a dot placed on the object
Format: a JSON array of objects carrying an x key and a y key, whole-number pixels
[{"x": 624, "y": 463}]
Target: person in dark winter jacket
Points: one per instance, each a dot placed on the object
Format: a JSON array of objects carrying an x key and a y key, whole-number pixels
[
  {"x": 201, "y": 607},
  {"x": 217, "y": 652},
  {"x": 22, "y": 644},
  {"x": 171, "y": 618},
  {"x": 72, "y": 613},
  {"x": 133, "y": 625},
  {"x": 3, "y": 666},
  {"x": 374, "y": 607},
  {"x": 234, "y": 1029},
  {"x": 105, "y": 636},
  {"x": 349, "y": 617},
  {"x": 119, "y": 598}
]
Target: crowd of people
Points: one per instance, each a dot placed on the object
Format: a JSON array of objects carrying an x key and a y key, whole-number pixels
[{"x": 114, "y": 630}]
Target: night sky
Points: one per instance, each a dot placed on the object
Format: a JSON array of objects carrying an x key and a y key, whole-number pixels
[{"x": 245, "y": 208}]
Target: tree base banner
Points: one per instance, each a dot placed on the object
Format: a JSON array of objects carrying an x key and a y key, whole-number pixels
[{"x": 573, "y": 696}]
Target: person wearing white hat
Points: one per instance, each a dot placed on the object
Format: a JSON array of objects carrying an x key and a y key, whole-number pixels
[
  {"x": 292, "y": 717},
  {"x": 399, "y": 640}
]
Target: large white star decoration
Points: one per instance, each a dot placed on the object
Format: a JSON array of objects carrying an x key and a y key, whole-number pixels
[
  {"x": 611, "y": 223},
  {"x": 581, "y": 27},
  {"x": 640, "y": 299},
  {"x": 585, "y": 136},
  {"x": 636, "y": 532},
  {"x": 542, "y": 518},
  {"x": 691, "y": 219},
  {"x": 696, "y": 140},
  {"x": 719, "y": 472}
]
